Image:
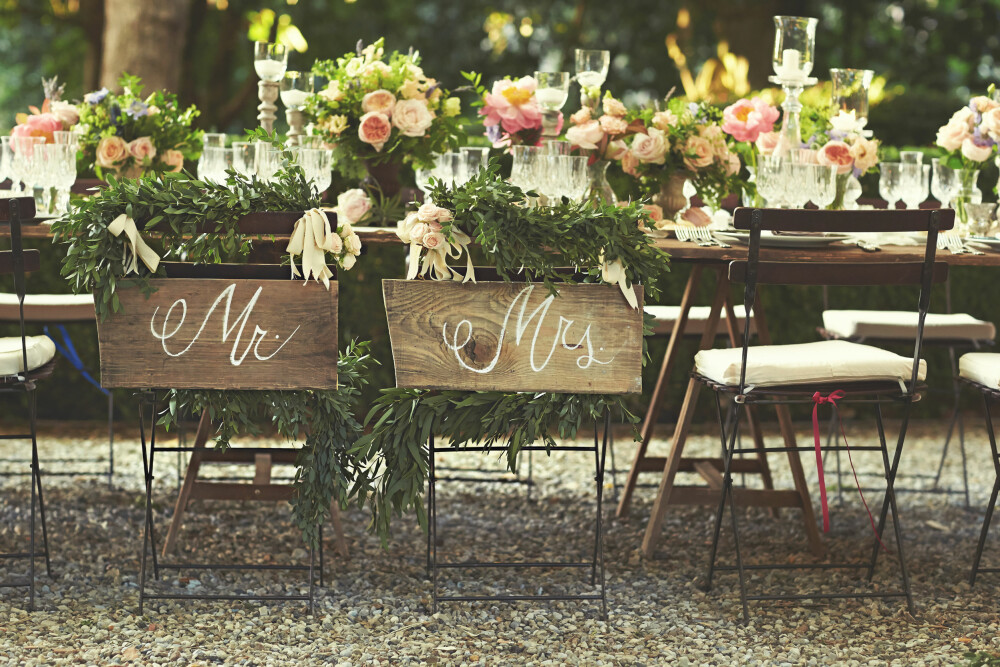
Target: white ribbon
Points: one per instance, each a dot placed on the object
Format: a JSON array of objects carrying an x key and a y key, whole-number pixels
[
  {"x": 140, "y": 250},
  {"x": 435, "y": 263},
  {"x": 614, "y": 272},
  {"x": 312, "y": 238}
]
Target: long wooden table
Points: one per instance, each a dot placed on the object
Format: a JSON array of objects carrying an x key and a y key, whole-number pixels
[{"x": 713, "y": 260}]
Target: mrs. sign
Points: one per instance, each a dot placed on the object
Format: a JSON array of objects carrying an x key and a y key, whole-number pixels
[{"x": 514, "y": 337}]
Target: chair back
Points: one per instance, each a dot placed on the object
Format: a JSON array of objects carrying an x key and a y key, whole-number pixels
[
  {"x": 753, "y": 271},
  {"x": 17, "y": 260}
]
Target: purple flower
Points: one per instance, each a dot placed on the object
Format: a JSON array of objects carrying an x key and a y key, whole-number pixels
[
  {"x": 493, "y": 133},
  {"x": 137, "y": 109},
  {"x": 96, "y": 97}
]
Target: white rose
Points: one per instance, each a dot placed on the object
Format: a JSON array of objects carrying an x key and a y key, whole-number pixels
[
  {"x": 412, "y": 117},
  {"x": 333, "y": 243},
  {"x": 347, "y": 262},
  {"x": 352, "y": 244},
  {"x": 354, "y": 67},
  {"x": 434, "y": 240},
  {"x": 353, "y": 205}
]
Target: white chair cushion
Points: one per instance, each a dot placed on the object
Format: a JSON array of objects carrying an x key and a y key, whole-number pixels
[
  {"x": 48, "y": 307},
  {"x": 41, "y": 349},
  {"x": 981, "y": 367},
  {"x": 822, "y": 362},
  {"x": 902, "y": 325},
  {"x": 665, "y": 319}
]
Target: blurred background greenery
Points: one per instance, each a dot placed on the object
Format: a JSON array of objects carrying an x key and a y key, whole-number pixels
[{"x": 928, "y": 55}]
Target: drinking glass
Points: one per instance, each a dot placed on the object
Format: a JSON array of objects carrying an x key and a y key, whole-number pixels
[
  {"x": 268, "y": 161},
  {"x": 311, "y": 141},
  {"x": 911, "y": 157},
  {"x": 316, "y": 165},
  {"x": 889, "y": 183},
  {"x": 213, "y": 139},
  {"x": 770, "y": 179},
  {"x": 6, "y": 157},
  {"x": 525, "y": 167},
  {"x": 213, "y": 164},
  {"x": 24, "y": 164},
  {"x": 245, "y": 157},
  {"x": 448, "y": 169},
  {"x": 552, "y": 90},
  {"x": 850, "y": 90},
  {"x": 823, "y": 181},
  {"x": 796, "y": 190},
  {"x": 592, "y": 67},
  {"x": 270, "y": 60},
  {"x": 65, "y": 175},
  {"x": 913, "y": 183},
  {"x": 474, "y": 159},
  {"x": 576, "y": 176},
  {"x": 296, "y": 87},
  {"x": 557, "y": 148},
  {"x": 980, "y": 220},
  {"x": 551, "y": 177},
  {"x": 944, "y": 182}
]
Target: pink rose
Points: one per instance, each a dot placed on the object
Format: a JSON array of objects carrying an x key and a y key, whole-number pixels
[
  {"x": 650, "y": 148},
  {"x": 111, "y": 151},
  {"x": 697, "y": 217},
  {"x": 380, "y": 100},
  {"x": 580, "y": 117},
  {"x": 732, "y": 164},
  {"x": 66, "y": 113},
  {"x": 698, "y": 153},
  {"x": 613, "y": 107},
  {"x": 982, "y": 104},
  {"x": 173, "y": 159},
  {"x": 615, "y": 151},
  {"x": 587, "y": 135},
  {"x": 951, "y": 136},
  {"x": 664, "y": 120},
  {"x": 38, "y": 125},
  {"x": 630, "y": 163},
  {"x": 747, "y": 119},
  {"x": 613, "y": 124},
  {"x": 412, "y": 117},
  {"x": 434, "y": 240},
  {"x": 836, "y": 154},
  {"x": 333, "y": 243},
  {"x": 767, "y": 142},
  {"x": 964, "y": 116},
  {"x": 142, "y": 149},
  {"x": 654, "y": 211},
  {"x": 991, "y": 124},
  {"x": 430, "y": 213},
  {"x": 865, "y": 154},
  {"x": 418, "y": 231},
  {"x": 374, "y": 128},
  {"x": 976, "y": 152},
  {"x": 352, "y": 205}
]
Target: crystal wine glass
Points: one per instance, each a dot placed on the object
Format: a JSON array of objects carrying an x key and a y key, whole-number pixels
[
  {"x": 525, "y": 167},
  {"x": 889, "y": 183},
  {"x": 245, "y": 157},
  {"x": 944, "y": 182},
  {"x": 576, "y": 175},
  {"x": 474, "y": 159},
  {"x": 913, "y": 183},
  {"x": 824, "y": 184}
]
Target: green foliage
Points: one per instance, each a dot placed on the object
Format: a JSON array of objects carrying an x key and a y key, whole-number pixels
[
  {"x": 539, "y": 243},
  {"x": 403, "y": 420},
  {"x": 982, "y": 659},
  {"x": 328, "y": 468}
]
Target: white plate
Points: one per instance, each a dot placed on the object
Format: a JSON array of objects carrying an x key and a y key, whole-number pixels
[
  {"x": 991, "y": 241},
  {"x": 770, "y": 240}
]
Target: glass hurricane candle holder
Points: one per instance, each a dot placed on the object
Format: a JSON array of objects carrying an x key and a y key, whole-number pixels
[
  {"x": 591, "y": 73},
  {"x": 794, "y": 46},
  {"x": 296, "y": 87},
  {"x": 850, "y": 90},
  {"x": 270, "y": 62},
  {"x": 551, "y": 93}
]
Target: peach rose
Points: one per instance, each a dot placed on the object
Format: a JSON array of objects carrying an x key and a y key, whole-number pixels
[
  {"x": 964, "y": 116},
  {"x": 613, "y": 124},
  {"x": 111, "y": 151},
  {"x": 580, "y": 117},
  {"x": 434, "y": 240},
  {"x": 613, "y": 107},
  {"x": 836, "y": 154},
  {"x": 333, "y": 243},
  {"x": 767, "y": 142},
  {"x": 173, "y": 159},
  {"x": 951, "y": 136},
  {"x": 616, "y": 150},
  {"x": 976, "y": 152},
  {"x": 697, "y": 217},
  {"x": 352, "y": 205},
  {"x": 698, "y": 153},
  {"x": 418, "y": 231},
  {"x": 732, "y": 164},
  {"x": 374, "y": 128},
  {"x": 664, "y": 120},
  {"x": 629, "y": 164},
  {"x": 865, "y": 153},
  {"x": 991, "y": 124},
  {"x": 142, "y": 149},
  {"x": 412, "y": 117},
  {"x": 982, "y": 104},
  {"x": 586, "y": 135},
  {"x": 654, "y": 211},
  {"x": 412, "y": 90},
  {"x": 651, "y": 147},
  {"x": 380, "y": 100}
]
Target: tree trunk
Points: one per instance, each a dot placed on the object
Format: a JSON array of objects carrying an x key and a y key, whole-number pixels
[
  {"x": 144, "y": 38},
  {"x": 92, "y": 21}
]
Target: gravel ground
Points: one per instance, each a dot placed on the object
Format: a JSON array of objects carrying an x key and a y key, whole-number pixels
[{"x": 375, "y": 606}]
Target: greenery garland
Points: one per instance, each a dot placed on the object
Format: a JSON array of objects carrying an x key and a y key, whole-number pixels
[
  {"x": 196, "y": 222},
  {"x": 522, "y": 243}
]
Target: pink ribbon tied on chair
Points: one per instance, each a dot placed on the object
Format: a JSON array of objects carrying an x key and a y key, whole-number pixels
[{"x": 832, "y": 398}]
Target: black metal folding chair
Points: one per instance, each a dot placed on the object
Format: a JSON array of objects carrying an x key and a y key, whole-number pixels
[
  {"x": 23, "y": 361},
  {"x": 823, "y": 371}
]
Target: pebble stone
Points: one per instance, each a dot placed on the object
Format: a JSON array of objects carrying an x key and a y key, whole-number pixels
[{"x": 375, "y": 606}]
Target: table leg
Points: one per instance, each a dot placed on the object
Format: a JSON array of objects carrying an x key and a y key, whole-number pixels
[
  {"x": 659, "y": 391},
  {"x": 190, "y": 477}
]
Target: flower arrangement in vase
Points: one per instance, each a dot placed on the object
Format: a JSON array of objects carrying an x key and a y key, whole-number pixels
[
  {"x": 750, "y": 122},
  {"x": 970, "y": 138},
  {"x": 379, "y": 109},
  {"x": 683, "y": 142},
  {"x": 55, "y": 115},
  {"x": 602, "y": 138},
  {"x": 511, "y": 113},
  {"x": 841, "y": 141},
  {"x": 128, "y": 135}
]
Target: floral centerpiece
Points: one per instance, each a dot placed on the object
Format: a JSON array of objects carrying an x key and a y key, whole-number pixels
[
  {"x": 127, "y": 135},
  {"x": 683, "y": 142},
  {"x": 510, "y": 110},
  {"x": 841, "y": 141},
  {"x": 750, "y": 122},
  {"x": 379, "y": 109},
  {"x": 55, "y": 115},
  {"x": 971, "y": 138},
  {"x": 602, "y": 138}
]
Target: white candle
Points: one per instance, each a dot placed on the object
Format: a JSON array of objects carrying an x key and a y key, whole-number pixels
[
  {"x": 590, "y": 79},
  {"x": 551, "y": 98},
  {"x": 294, "y": 99},
  {"x": 791, "y": 68},
  {"x": 270, "y": 70}
]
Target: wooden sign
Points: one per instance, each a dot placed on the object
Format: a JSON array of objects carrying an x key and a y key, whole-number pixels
[
  {"x": 222, "y": 334},
  {"x": 495, "y": 336}
]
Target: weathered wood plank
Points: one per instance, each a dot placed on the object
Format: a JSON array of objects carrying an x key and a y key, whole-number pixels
[
  {"x": 495, "y": 336},
  {"x": 222, "y": 334}
]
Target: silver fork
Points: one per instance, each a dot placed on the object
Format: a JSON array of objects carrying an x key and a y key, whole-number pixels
[
  {"x": 683, "y": 234},
  {"x": 953, "y": 243},
  {"x": 706, "y": 234}
]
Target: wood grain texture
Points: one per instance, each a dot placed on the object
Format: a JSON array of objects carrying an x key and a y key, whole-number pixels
[
  {"x": 286, "y": 340},
  {"x": 495, "y": 336}
]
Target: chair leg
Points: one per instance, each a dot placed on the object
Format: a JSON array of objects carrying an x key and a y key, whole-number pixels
[
  {"x": 993, "y": 497},
  {"x": 31, "y": 517},
  {"x": 727, "y": 428},
  {"x": 37, "y": 480},
  {"x": 111, "y": 438},
  {"x": 890, "y": 501},
  {"x": 432, "y": 528}
]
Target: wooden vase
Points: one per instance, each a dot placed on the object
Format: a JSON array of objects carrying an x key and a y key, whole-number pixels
[
  {"x": 671, "y": 195},
  {"x": 384, "y": 176}
]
